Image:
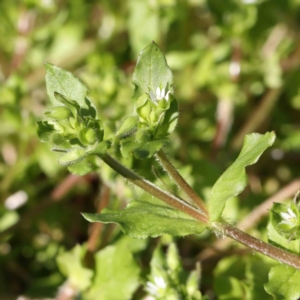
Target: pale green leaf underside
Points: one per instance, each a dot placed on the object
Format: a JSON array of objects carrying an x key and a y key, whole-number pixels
[
  {"x": 151, "y": 71},
  {"x": 142, "y": 219},
  {"x": 284, "y": 283},
  {"x": 233, "y": 181}
]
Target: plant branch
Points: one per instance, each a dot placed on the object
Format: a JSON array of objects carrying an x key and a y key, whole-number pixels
[
  {"x": 155, "y": 191},
  {"x": 260, "y": 246},
  {"x": 185, "y": 187},
  {"x": 253, "y": 217},
  {"x": 227, "y": 229}
]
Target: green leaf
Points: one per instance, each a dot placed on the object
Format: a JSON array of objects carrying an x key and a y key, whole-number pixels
[
  {"x": 233, "y": 181},
  {"x": 170, "y": 120},
  {"x": 81, "y": 168},
  {"x": 151, "y": 72},
  {"x": 128, "y": 126},
  {"x": 101, "y": 148},
  {"x": 72, "y": 157},
  {"x": 45, "y": 130},
  {"x": 58, "y": 113},
  {"x": 140, "y": 149},
  {"x": 66, "y": 84},
  {"x": 168, "y": 279},
  {"x": 70, "y": 264},
  {"x": 278, "y": 240},
  {"x": 284, "y": 283},
  {"x": 142, "y": 219},
  {"x": 143, "y": 24},
  {"x": 116, "y": 275},
  {"x": 241, "y": 278}
]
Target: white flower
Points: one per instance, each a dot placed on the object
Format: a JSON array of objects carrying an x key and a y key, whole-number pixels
[
  {"x": 157, "y": 287},
  {"x": 159, "y": 95},
  {"x": 288, "y": 217}
]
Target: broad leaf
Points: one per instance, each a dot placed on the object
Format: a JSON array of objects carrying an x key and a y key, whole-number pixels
[
  {"x": 284, "y": 283},
  {"x": 116, "y": 274},
  {"x": 233, "y": 181},
  {"x": 70, "y": 264},
  {"x": 66, "y": 84},
  {"x": 151, "y": 72},
  {"x": 142, "y": 219}
]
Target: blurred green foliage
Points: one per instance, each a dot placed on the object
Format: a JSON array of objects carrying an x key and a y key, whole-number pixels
[{"x": 236, "y": 70}]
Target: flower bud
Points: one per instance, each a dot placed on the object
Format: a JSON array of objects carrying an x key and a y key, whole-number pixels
[{"x": 144, "y": 111}]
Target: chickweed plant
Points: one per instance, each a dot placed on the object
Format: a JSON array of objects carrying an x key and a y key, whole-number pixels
[{"x": 73, "y": 128}]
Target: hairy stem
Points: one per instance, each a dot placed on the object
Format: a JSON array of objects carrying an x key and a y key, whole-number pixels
[
  {"x": 155, "y": 191},
  {"x": 259, "y": 246},
  {"x": 185, "y": 187}
]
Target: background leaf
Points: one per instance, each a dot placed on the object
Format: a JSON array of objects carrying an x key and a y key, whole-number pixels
[
  {"x": 284, "y": 283},
  {"x": 142, "y": 219},
  {"x": 116, "y": 275},
  {"x": 233, "y": 181},
  {"x": 70, "y": 264}
]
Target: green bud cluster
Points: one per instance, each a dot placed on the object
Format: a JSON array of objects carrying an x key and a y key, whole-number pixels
[
  {"x": 150, "y": 113},
  {"x": 72, "y": 132}
]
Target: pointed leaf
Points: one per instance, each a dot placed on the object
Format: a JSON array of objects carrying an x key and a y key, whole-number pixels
[
  {"x": 284, "y": 283},
  {"x": 66, "y": 84},
  {"x": 128, "y": 126},
  {"x": 142, "y": 219},
  {"x": 72, "y": 157},
  {"x": 151, "y": 72},
  {"x": 233, "y": 181}
]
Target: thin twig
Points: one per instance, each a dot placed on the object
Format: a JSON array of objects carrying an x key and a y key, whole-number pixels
[{"x": 185, "y": 187}]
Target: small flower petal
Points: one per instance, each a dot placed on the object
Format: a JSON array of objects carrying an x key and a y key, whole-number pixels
[
  {"x": 293, "y": 215},
  {"x": 285, "y": 215}
]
